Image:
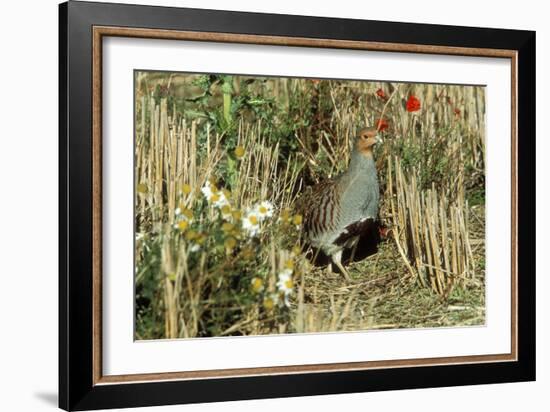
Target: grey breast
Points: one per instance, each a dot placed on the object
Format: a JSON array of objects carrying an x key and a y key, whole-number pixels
[{"x": 360, "y": 191}]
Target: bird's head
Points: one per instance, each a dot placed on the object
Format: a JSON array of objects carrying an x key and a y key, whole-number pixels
[{"x": 366, "y": 139}]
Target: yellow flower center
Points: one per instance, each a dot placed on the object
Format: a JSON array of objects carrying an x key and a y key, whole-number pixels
[
  {"x": 262, "y": 210},
  {"x": 289, "y": 284},
  {"x": 239, "y": 151},
  {"x": 186, "y": 189},
  {"x": 257, "y": 284},
  {"x": 215, "y": 197},
  {"x": 142, "y": 188},
  {"x": 190, "y": 235},
  {"x": 253, "y": 219},
  {"x": 297, "y": 220},
  {"x": 182, "y": 225},
  {"x": 285, "y": 215},
  {"x": 230, "y": 242},
  {"x": 227, "y": 227},
  {"x": 289, "y": 264},
  {"x": 268, "y": 303},
  {"x": 226, "y": 210}
]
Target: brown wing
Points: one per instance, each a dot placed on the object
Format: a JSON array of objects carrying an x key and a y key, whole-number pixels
[{"x": 320, "y": 207}]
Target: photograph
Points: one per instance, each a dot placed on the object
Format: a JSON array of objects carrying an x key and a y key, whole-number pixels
[
  {"x": 260, "y": 204},
  {"x": 279, "y": 205}
]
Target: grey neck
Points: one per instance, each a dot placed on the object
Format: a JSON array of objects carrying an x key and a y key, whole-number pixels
[{"x": 361, "y": 165}]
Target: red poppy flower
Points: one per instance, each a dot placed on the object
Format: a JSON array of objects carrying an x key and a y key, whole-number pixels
[
  {"x": 413, "y": 104},
  {"x": 457, "y": 111},
  {"x": 382, "y": 124},
  {"x": 380, "y": 93}
]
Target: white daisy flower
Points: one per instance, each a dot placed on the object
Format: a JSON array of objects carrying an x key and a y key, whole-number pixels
[
  {"x": 257, "y": 284},
  {"x": 207, "y": 190},
  {"x": 285, "y": 285},
  {"x": 264, "y": 209},
  {"x": 184, "y": 217},
  {"x": 214, "y": 195},
  {"x": 221, "y": 201},
  {"x": 251, "y": 223},
  {"x": 181, "y": 224},
  {"x": 194, "y": 247},
  {"x": 270, "y": 301}
]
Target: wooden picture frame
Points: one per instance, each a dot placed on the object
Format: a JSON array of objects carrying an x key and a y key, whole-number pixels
[{"x": 82, "y": 385}]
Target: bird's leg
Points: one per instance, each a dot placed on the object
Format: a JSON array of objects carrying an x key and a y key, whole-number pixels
[
  {"x": 337, "y": 259},
  {"x": 354, "y": 249}
]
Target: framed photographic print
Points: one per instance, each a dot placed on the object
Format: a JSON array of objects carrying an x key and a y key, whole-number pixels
[{"x": 257, "y": 205}]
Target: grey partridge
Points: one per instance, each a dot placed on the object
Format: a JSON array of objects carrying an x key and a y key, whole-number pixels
[{"x": 339, "y": 210}]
